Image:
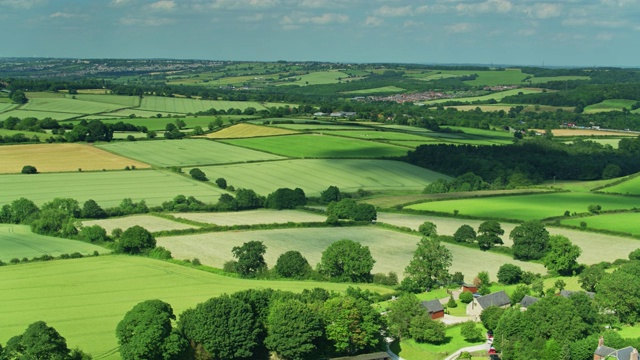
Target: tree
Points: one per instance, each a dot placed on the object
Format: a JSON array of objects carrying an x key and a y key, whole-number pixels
[
  {"x": 352, "y": 325},
  {"x": 146, "y": 332},
  {"x": 54, "y": 222},
  {"x": 430, "y": 264},
  {"x": 490, "y": 317},
  {"x": 91, "y": 210},
  {"x": 611, "y": 171},
  {"x": 250, "y": 258},
  {"x": 28, "y": 169},
  {"x": 332, "y": 193},
  {"x": 222, "y": 183},
  {"x": 451, "y": 303},
  {"x": 590, "y": 277},
  {"x": 400, "y": 313},
  {"x": 94, "y": 233},
  {"x": 519, "y": 293},
  {"x": 634, "y": 255},
  {"x": 562, "y": 256},
  {"x": 424, "y": 329},
  {"x": 509, "y": 274},
  {"x": 428, "y": 229},
  {"x": 284, "y": 198},
  {"x": 39, "y": 341},
  {"x": 466, "y": 297},
  {"x": 489, "y": 234},
  {"x": 135, "y": 240},
  {"x": 180, "y": 124},
  {"x": 294, "y": 329},
  {"x": 67, "y": 205},
  {"x": 18, "y": 97},
  {"x": 530, "y": 241},
  {"x": 465, "y": 233},
  {"x": 248, "y": 199},
  {"x": 292, "y": 264},
  {"x": 620, "y": 292},
  {"x": 470, "y": 332},
  {"x": 198, "y": 174},
  {"x": 347, "y": 260}
]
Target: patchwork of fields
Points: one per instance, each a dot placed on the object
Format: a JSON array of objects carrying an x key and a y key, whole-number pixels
[
  {"x": 625, "y": 222},
  {"x": 252, "y": 217},
  {"x": 149, "y": 222},
  {"x": 240, "y": 131},
  {"x": 185, "y": 106}
]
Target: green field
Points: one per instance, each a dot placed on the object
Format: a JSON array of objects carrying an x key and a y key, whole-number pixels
[
  {"x": 65, "y": 105},
  {"x": 314, "y": 176},
  {"x": 188, "y": 152},
  {"x": 411, "y": 350},
  {"x": 528, "y": 207},
  {"x": 253, "y": 217},
  {"x": 39, "y": 114},
  {"x": 29, "y": 134},
  {"x": 485, "y": 77},
  {"x": 624, "y": 222},
  {"x": 17, "y": 241},
  {"x": 379, "y": 135},
  {"x": 149, "y": 222},
  {"x": 84, "y": 299},
  {"x": 185, "y": 106},
  {"x": 631, "y": 187},
  {"x": 121, "y": 100},
  {"x": 392, "y": 250},
  {"x": 494, "y": 96},
  {"x": 318, "y": 127},
  {"x": 125, "y": 113},
  {"x": 159, "y": 124},
  {"x": 317, "y": 78},
  {"x": 6, "y": 106},
  {"x": 543, "y": 79},
  {"x": 320, "y": 146},
  {"x": 384, "y": 89},
  {"x": 610, "y": 105},
  {"x": 106, "y": 188}
]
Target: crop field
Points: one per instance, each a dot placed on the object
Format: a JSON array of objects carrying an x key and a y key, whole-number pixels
[
  {"x": 240, "y": 131},
  {"x": 106, "y": 188},
  {"x": 384, "y": 89},
  {"x": 379, "y": 135},
  {"x": 609, "y": 105},
  {"x": 314, "y": 176},
  {"x": 624, "y": 222},
  {"x": 595, "y": 247},
  {"x": 402, "y": 127},
  {"x": 485, "y": 78},
  {"x": 65, "y": 105},
  {"x": 149, "y": 222},
  {"x": 159, "y": 124},
  {"x": 6, "y": 106},
  {"x": 252, "y": 217},
  {"x": 17, "y": 241},
  {"x": 185, "y": 106},
  {"x": 631, "y": 186},
  {"x": 318, "y": 127},
  {"x": 29, "y": 134},
  {"x": 529, "y": 207},
  {"x": 589, "y": 132},
  {"x": 61, "y": 157},
  {"x": 484, "y": 107},
  {"x": 125, "y": 113},
  {"x": 317, "y": 78},
  {"x": 187, "y": 152},
  {"x": 318, "y": 146},
  {"x": 391, "y": 250},
  {"x": 495, "y": 96},
  {"x": 121, "y": 100},
  {"x": 84, "y": 299},
  {"x": 19, "y": 113},
  {"x": 544, "y": 79}
]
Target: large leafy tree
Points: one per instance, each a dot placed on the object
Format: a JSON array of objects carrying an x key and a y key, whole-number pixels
[
  {"x": 347, "y": 260},
  {"x": 489, "y": 234},
  {"x": 530, "y": 241},
  {"x": 91, "y": 210},
  {"x": 430, "y": 264},
  {"x": 400, "y": 314},
  {"x": 292, "y": 264},
  {"x": 294, "y": 330},
  {"x": 590, "y": 277},
  {"x": 562, "y": 256},
  {"x": 620, "y": 292},
  {"x": 465, "y": 233},
  {"x": 250, "y": 258},
  {"x": 39, "y": 341},
  {"x": 135, "y": 240},
  {"x": 146, "y": 332},
  {"x": 352, "y": 325}
]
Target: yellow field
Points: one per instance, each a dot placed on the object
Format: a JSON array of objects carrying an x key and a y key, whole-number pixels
[
  {"x": 61, "y": 157},
  {"x": 586, "y": 132},
  {"x": 247, "y": 131}
]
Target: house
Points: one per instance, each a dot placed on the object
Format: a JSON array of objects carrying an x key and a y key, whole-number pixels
[
  {"x": 342, "y": 114},
  {"x": 320, "y": 114},
  {"x": 435, "y": 308},
  {"x": 470, "y": 288},
  {"x": 605, "y": 352},
  {"x": 375, "y": 356},
  {"x": 499, "y": 299},
  {"x": 528, "y": 301},
  {"x": 567, "y": 293}
]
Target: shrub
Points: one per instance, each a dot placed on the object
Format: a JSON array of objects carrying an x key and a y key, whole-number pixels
[
  {"x": 198, "y": 174},
  {"x": 428, "y": 229},
  {"x": 292, "y": 264},
  {"x": 634, "y": 255},
  {"x": 14, "y": 261},
  {"x": 160, "y": 253},
  {"x": 470, "y": 332},
  {"x": 466, "y": 297},
  {"x": 196, "y": 262},
  {"x": 222, "y": 183},
  {"x": 509, "y": 274},
  {"x": 451, "y": 303},
  {"x": 28, "y": 169},
  {"x": 390, "y": 279},
  {"x": 424, "y": 329}
]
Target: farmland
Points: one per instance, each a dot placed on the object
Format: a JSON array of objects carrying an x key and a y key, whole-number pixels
[
  {"x": 185, "y": 106},
  {"x": 528, "y": 207},
  {"x": 240, "y": 131},
  {"x": 252, "y": 217},
  {"x": 631, "y": 187},
  {"x": 314, "y": 176},
  {"x": 17, "y": 241},
  {"x": 120, "y": 100},
  {"x": 159, "y": 124},
  {"x": 494, "y": 96},
  {"x": 149, "y": 222},
  {"x": 106, "y": 188},
  {"x": 187, "y": 152},
  {"x": 62, "y": 157},
  {"x": 319, "y": 146},
  {"x": 385, "y": 89},
  {"x": 84, "y": 299},
  {"x": 379, "y": 135},
  {"x": 315, "y": 78},
  {"x": 19, "y": 113},
  {"x": 65, "y": 105},
  {"x": 625, "y": 223},
  {"x": 391, "y": 250},
  {"x": 485, "y": 78},
  {"x": 610, "y": 105}
]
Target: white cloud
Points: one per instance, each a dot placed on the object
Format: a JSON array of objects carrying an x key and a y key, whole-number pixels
[
  {"x": 460, "y": 28},
  {"x": 22, "y": 4},
  {"x": 251, "y": 18},
  {"x": 243, "y": 4},
  {"x": 544, "y": 10},
  {"x": 619, "y": 3},
  {"x": 388, "y": 11},
  {"x": 63, "y": 15},
  {"x": 527, "y": 32},
  {"x": 489, "y": 6},
  {"x": 373, "y": 21},
  {"x": 322, "y": 4},
  {"x": 604, "y": 36},
  {"x": 150, "y": 21},
  {"x": 411, "y": 23},
  {"x": 119, "y": 2},
  {"x": 324, "y": 19},
  {"x": 163, "y": 5}
]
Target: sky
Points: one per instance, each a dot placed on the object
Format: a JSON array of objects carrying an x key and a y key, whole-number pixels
[{"x": 507, "y": 32}]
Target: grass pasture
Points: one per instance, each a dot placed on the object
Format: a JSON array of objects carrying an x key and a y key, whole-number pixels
[
  {"x": 84, "y": 299},
  {"x": 546, "y": 79},
  {"x": 318, "y": 127},
  {"x": 185, "y": 106},
  {"x": 378, "y": 90},
  {"x": 120, "y": 100},
  {"x": 66, "y": 105},
  {"x": 379, "y": 135},
  {"x": 252, "y": 217},
  {"x": 29, "y": 134},
  {"x": 320, "y": 146},
  {"x": 19, "y": 113},
  {"x": 149, "y": 222},
  {"x": 609, "y": 105},
  {"x": 528, "y": 207},
  {"x": 159, "y": 124},
  {"x": 314, "y": 176},
  {"x": 317, "y": 78},
  {"x": 392, "y": 250},
  {"x": 187, "y": 152},
  {"x": 61, "y": 157},
  {"x": 624, "y": 222},
  {"x": 493, "y": 96},
  {"x": 240, "y": 131},
  {"x": 6, "y": 106},
  {"x": 17, "y": 241},
  {"x": 631, "y": 187},
  {"x": 106, "y": 188},
  {"x": 485, "y": 77}
]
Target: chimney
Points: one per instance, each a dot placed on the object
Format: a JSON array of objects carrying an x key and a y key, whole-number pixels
[
  {"x": 634, "y": 355},
  {"x": 601, "y": 341}
]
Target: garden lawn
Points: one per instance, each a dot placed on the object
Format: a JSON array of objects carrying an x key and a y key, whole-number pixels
[
  {"x": 84, "y": 299},
  {"x": 392, "y": 250},
  {"x": 529, "y": 207},
  {"x": 320, "y": 146},
  {"x": 17, "y": 241},
  {"x": 631, "y": 187},
  {"x": 149, "y": 222},
  {"x": 252, "y": 217},
  {"x": 411, "y": 350},
  {"x": 61, "y": 157},
  {"x": 316, "y": 175},
  {"x": 622, "y": 222},
  {"x": 106, "y": 188},
  {"x": 187, "y": 152}
]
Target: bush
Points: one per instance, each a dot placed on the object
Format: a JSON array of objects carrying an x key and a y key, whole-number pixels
[
  {"x": 451, "y": 303},
  {"x": 466, "y": 297},
  {"x": 634, "y": 255},
  {"x": 292, "y": 264},
  {"x": 28, "y": 169},
  {"x": 196, "y": 262},
  {"x": 470, "y": 332},
  {"x": 424, "y": 329},
  {"x": 390, "y": 279},
  {"x": 160, "y": 253},
  {"x": 222, "y": 183},
  {"x": 509, "y": 274},
  {"x": 198, "y": 174},
  {"x": 428, "y": 229}
]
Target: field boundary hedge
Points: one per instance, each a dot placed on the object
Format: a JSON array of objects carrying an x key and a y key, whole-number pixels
[
  {"x": 273, "y": 226},
  {"x": 535, "y": 191}
]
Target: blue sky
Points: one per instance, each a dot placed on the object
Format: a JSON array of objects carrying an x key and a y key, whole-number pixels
[{"x": 523, "y": 32}]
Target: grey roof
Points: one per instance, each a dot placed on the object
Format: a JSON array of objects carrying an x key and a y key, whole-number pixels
[
  {"x": 568, "y": 293},
  {"x": 374, "y": 356},
  {"x": 622, "y": 354},
  {"x": 499, "y": 298},
  {"x": 604, "y": 351},
  {"x": 528, "y": 300},
  {"x": 433, "y": 306}
]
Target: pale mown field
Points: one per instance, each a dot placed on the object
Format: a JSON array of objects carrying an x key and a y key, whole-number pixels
[
  {"x": 62, "y": 157},
  {"x": 252, "y": 217},
  {"x": 248, "y": 130},
  {"x": 391, "y": 250},
  {"x": 149, "y": 222}
]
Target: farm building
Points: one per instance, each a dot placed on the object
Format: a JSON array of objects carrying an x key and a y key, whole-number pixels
[
  {"x": 605, "y": 352},
  {"x": 499, "y": 299},
  {"x": 435, "y": 308},
  {"x": 528, "y": 301},
  {"x": 470, "y": 288},
  {"x": 374, "y": 356}
]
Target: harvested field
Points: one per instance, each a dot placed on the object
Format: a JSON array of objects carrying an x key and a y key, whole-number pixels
[
  {"x": 588, "y": 132},
  {"x": 149, "y": 222},
  {"x": 248, "y": 131},
  {"x": 62, "y": 157},
  {"x": 252, "y": 217}
]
